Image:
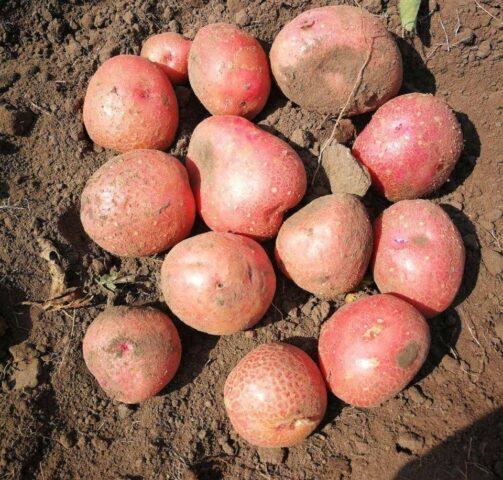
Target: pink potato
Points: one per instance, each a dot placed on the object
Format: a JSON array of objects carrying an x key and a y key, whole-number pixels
[
  {"x": 275, "y": 396},
  {"x": 229, "y": 71},
  {"x": 371, "y": 349},
  {"x": 130, "y": 104},
  {"x": 418, "y": 255},
  {"x": 410, "y": 146},
  {"x": 170, "y": 51},
  {"x": 326, "y": 246},
  {"x": 244, "y": 179},
  {"x": 138, "y": 203},
  {"x": 218, "y": 283},
  {"x": 133, "y": 352},
  {"x": 337, "y": 58}
]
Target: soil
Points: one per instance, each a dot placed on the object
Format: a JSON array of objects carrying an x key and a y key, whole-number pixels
[{"x": 56, "y": 423}]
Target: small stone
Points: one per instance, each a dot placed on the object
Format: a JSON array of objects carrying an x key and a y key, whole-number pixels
[
  {"x": 344, "y": 173},
  {"x": 15, "y": 121},
  {"x": 26, "y": 374},
  {"x": 242, "y": 18},
  {"x": 493, "y": 215},
  {"x": 493, "y": 261},
  {"x": 87, "y": 20},
  {"x": 183, "y": 95},
  {"x": 202, "y": 434},
  {"x": 66, "y": 440},
  {"x": 174, "y": 26},
  {"x": 273, "y": 456},
  {"x": 7, "y": 80},
  {"x": 465, "y": 37},
  {"x": 301, "y": 138},
  {"x": 410, "y": 441},
  {"x": 484, "y": 49}
]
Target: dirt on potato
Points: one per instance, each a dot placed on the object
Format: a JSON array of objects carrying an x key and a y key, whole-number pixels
[{"x": 56, "y": 423}]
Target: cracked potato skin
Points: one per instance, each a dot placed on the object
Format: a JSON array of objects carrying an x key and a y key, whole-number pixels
[
  {"x": 372, "y": 348},
  {"x": 133, "y": 352},
  {"x": 275, "y": 396},
  {"x": 130, "y": 104},
  {"x": 138, "y": 203}
]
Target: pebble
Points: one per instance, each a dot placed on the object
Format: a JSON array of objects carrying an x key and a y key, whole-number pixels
[
  {"x": 271, "y": 455},
  {"x": 484, "y": 49},
  {"x": 202, "y": 434},
  {"x": 493, "y": 261},
  {"x": 15, "y": 121},
  {"x": 410, "y": 441},
  {"x": 242, "y": 18}
]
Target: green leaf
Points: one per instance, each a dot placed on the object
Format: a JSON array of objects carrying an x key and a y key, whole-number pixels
[{"x": 408, "y": 13}]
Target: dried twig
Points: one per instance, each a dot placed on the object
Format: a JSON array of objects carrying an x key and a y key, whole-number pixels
[
  {"x": 487, "y": 11},
  {"x": 445, "y": 33},
  {"x": 458, "y": 23}
]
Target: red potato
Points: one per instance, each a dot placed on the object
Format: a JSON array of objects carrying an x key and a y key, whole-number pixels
[
  {"x": 218, "y": 283},
  {"x": 371, "y": 349},
  {"x": 229, "y": 71},
  {"x": 244, "y": 179},
  {"x": 324, "y": 54},
  {"x": 275, "y": 396},
  {"x": 170, "y": 51},
  {"x": 132, "y": 352},
  {"x": 326, "y": 246},
  {"x": 418, "y": 255},
  {"x": 410, "y": 146},
  {"x": 138, "y": 203},
  {"x": 130, "y": 104}
]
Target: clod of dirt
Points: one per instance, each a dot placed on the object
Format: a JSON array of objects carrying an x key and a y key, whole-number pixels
[
  {"x": 373, "y": 6},
  {"x": 66, "y": 440},
  {"x": 26, "y": 374},
  {"x": 242, "y": 18},
  {"x": 344, "y": 172},
  {"x": 273, "y": 456},
  {"x": 493, "y": 261},
  {"x": 15, "y": 121},
  {"x": 301, "y": 138},
  {"x": 124, "y": 411},
  {"x": 465, "y": 37},
  {"x": 484, "y": 49},
  {"x": 345, "y": 131},
  {"x": 22, "y": 352},
  {"x": 410, "y": 442},
  {"x": 416, "y": 395}
]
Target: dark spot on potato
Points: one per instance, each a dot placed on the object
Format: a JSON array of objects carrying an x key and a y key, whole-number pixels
[
  {"x": 407, "y": 355},
  {"x": 164, "y": 207}
]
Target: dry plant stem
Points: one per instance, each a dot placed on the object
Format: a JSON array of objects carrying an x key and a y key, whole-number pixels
[
  {"x": 487, "y": 11},
  {"x": 445, "y": 33}
]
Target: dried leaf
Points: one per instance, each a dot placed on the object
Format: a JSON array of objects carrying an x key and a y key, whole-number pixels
[
  {"x": 72, "y": 298},
  {"x": 408, "y": 13}
]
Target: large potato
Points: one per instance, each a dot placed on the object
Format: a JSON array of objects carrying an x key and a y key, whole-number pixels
[
  {"x": 418, "y": 255},
  {"x": 244, "y": 179},
  {"x": 218, "y": 283},
  {"x": 229, "y": 71},
  {"x": 326, "y": 246},
  {"x": 130, "y": 104},
  {"x": 316, "y": 60},
  {"x": 132, "y": 352},
  {"x": 138, "y": 203},
  {"x": 410, "y": 146}
]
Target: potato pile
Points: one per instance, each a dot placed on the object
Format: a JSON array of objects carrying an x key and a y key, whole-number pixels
[{"x": 242, "y": 181}]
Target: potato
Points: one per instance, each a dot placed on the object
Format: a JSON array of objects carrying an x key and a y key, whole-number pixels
[
  {"x": 130, "y": 104},
  {"x": 244, "y": 179},
  {"x": 418, "y": 255},
  {"x": 132, "y": 352},
  {"x": 326, "y": 246},
  {"x": 275, "y": 396},
  {"x": 229, "y": 71},
  {"x": 138, "y": 203},
  {"x": 410, "y": 146},
  {"x": 317, "y": 61},
  {"x": 170, "y": 51},
  {"x": 218, "y": 283},
  {"x": 372, "y": 348}
]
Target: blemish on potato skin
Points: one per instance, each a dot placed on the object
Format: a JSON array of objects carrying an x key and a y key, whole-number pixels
[
  {"x": 374, "y": 331},
  {"x": 406, "y": 357}
]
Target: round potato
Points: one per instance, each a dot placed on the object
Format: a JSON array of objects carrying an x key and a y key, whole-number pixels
[
  {"x": 130, "y": 104},
  {"x": 229, "y": 71},
  {"x": 244, "y": 179},
  {"x": 338, "y": 57},
  {"x": 138, "y": 203}
]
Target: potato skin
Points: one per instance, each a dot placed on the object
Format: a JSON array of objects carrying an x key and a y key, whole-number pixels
[
  {"x": 275, "y": 396},
  {"x": 371, "y": 349},
  {"x": 316, "y": 60},
  {"x": 326, "y": 246},
  {"x": 410, "y": 146},
  {"x": 170, "y": 51},
  {"x": 418, "y": 255},
  {"x": 130, "y": 104},
  {"x": 243, "y": 178},
  {"x": 218, "y": 283},
  {"x": 133, "y": 352},
  {"x": 229, "y": 71},
  {"x": 138, "y": 203}
]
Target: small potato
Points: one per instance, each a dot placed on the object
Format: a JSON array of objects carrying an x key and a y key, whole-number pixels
[
  {"x": 275, "y": 396},
  {"x": 171, "y": 52},
  {"x": 229, "y": 71},
  {"x": 138, "y": 203},
  {"x": 218, "y": 283},
  {"x": 326, "y": 246},
  {"x": 130, "y": 104},
  {"x": 338, "y": 57},
  {"x": 132, "y": 352},
  {"x": 418, "y": 255},
  {"x": 410, "y": 146},
  {"x": 372, "y": 348},
  {"x": 244, "y": 179}
]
